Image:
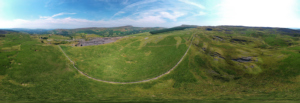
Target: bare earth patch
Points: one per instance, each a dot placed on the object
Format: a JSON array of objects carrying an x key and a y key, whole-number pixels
[
  {"x": 148, "y": 53},
  {"x": 178, "y": 39},
  {"x": 21, "y": 84},
  {"x": 2, "y": 77},
  {"x": 98, "y": 41}
]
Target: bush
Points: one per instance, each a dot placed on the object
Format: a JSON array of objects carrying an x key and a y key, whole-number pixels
[
  {"x": 209, "y": 29},
  {"x": 44, "y": 37}
]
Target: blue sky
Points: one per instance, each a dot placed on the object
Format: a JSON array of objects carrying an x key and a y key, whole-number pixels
[{"x": 51, "y": 14}]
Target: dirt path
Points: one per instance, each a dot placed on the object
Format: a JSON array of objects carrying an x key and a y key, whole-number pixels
[{"x": 147, "y": 80}]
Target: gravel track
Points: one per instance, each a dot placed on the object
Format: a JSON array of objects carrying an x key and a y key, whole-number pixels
[{"x": 147, "y": 80}]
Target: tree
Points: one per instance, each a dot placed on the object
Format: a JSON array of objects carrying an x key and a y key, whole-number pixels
[
  {"x": 65, "y": 33},
  {"x": 71, "y": 37},
  {"x": 83, "y": 35},
  {"x": 111, "y": 33}
]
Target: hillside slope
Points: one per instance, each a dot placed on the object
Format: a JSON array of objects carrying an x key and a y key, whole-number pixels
[{"x": 224, "y": 63}]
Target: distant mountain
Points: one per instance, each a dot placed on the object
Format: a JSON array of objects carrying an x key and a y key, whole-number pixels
[
  {"x": 129, "y": 29},
  {"x": 105, "y": 32},
  {"x": 295, "y": 28},
  {"x": 273, "y": 30},
  {"x": 32, "y": 31},
  {"x": 191, "y": 26},
  {"x": 5, "y": 31},
  {"x": 102, "y": 31}
]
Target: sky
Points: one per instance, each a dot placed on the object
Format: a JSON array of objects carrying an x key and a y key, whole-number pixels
[{"x": 54, "y": 14}]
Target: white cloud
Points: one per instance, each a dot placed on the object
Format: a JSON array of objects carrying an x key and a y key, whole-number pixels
[
  {"x": 51, "y": 3},
  {"x": 144, "y": 18},
  {"x": 118, "y": 13},
  {"x": 55, "y": 15},
  {"x": 1, "y": 4},
  {"x": 47, "y": 3},
  {"x": 161, "y": 13},
  {"x": 140, "y": 3},
  {"x": 272, "y": 13},
  {"x": 69, "y": 22},
  {"x": 125, "y": 2},
  {"x": 173, "y": 16},
  {"x": 202, "y": 13},
  {"x": 192, "y": 3},
  {"x": 1, "y": 7},
  {"x": 132, "y": 5},
  {"x": 61, "y": 14}
]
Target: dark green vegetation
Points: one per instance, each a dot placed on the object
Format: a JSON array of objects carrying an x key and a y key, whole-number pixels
[
  {"x": 182, "y": 27},
  {"x": 216, "y": 67}
]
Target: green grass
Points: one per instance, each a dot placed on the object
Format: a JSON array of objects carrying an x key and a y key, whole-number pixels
[
  {"x": 294, "y": 48},
  {"x": 273, "y": 41},
  {"x": 39, "y": 72},
  {"x": 126, "y": 61},
  {"x": 9, "y": 48}
]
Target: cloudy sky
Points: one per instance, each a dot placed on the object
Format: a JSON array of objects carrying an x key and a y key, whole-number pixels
[{"x": 51, "y": 14}]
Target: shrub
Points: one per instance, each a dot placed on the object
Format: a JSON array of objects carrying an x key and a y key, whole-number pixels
[{"x": 44, "y": 37}]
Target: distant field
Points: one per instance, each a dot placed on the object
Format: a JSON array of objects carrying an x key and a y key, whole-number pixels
[{"x": 131, "y": 58}]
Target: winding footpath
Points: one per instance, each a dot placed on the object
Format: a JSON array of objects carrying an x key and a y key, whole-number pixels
[{"x": 147, "y": 80}]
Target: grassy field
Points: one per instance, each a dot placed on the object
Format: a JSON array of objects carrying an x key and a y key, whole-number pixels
[
  {"x": 130, "y": 59},
  {"x": 40, "y": 72}
]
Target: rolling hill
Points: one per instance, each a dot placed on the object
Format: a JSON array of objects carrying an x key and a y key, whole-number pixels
[
  {"x": 104, "y": 32},
  {"x": 221, "y": 64}
]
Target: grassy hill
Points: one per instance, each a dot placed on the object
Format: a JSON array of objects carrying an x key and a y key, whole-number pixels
[
  {"x": 224, "y": 64},
  {"x": 100, "y": 31},
  {"x": 32, "y": 31}
]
